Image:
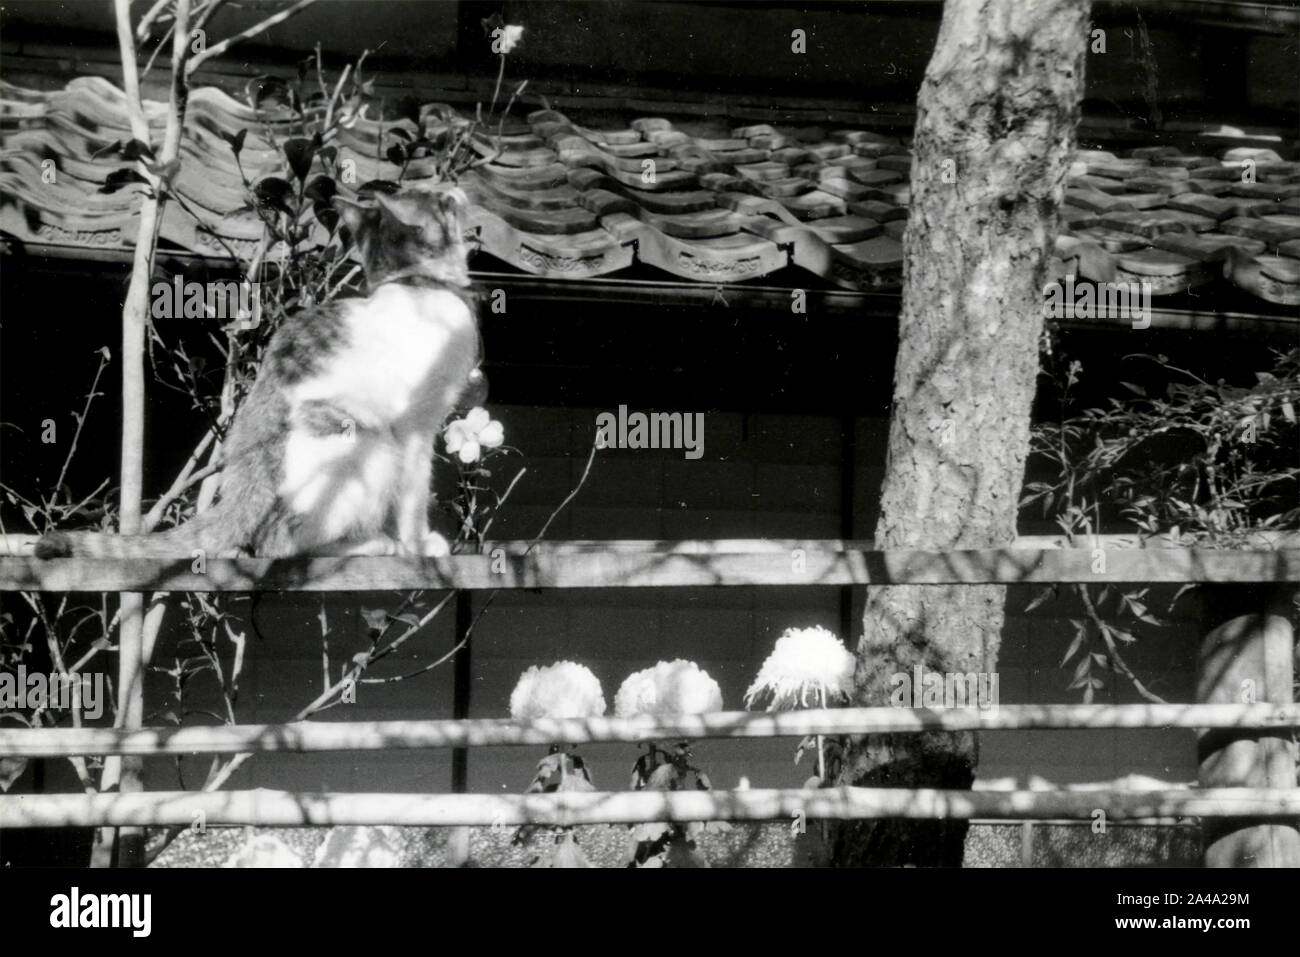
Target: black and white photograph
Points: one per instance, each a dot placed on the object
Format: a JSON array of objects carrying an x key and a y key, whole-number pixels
[{"x": 651, "y": 434}]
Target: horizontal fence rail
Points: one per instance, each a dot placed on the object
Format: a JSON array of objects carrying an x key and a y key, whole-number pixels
[
  {"x": 287, "y": 809},
  {"x": 652, "y": 565},
  {"x": 416, "y": 734}
]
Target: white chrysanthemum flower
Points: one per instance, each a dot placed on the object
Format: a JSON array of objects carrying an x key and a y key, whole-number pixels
[
  {"x": 561, "y": 690},
  {"x": 669, "y": 688},
  {"x": 808, "y": 667},
  {"x": 264, "y": 850},
  {"x": 468, "y": 437},
  {"x": 511, "y": 34}
]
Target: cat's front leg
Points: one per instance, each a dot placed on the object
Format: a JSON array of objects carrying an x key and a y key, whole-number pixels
[
  {"x": 413, "y": 531},
  {"x": 379, "y": 545},
  {"x": 435, "y": 546}
]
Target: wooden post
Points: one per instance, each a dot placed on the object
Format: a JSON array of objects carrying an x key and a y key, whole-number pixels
[
  {"x": 1027, "y": 844},
  {"x": 848, "y": 473},
  {"x": 1248, "y": 658},
  {"x": 461, "y": 683},
  {"x": 458, "y": 842}
]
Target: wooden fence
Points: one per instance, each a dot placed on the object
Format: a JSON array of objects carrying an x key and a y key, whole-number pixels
[{"x": 647, "y": 564}]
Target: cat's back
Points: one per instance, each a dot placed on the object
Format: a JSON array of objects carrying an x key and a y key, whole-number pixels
[
  {"x": 404, "y": 348},
  {"x": 425, "y": 320}
]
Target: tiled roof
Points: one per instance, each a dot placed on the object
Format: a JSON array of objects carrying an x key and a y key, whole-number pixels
[{"x": 723, "y": 205}]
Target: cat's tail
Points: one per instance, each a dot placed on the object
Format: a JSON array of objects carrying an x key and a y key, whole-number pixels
[{"x": 202, "y": 533}]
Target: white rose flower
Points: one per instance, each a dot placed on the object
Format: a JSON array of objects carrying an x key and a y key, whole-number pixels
[
  {"x": 808, "y": 667},
  {"x": 562, "y": 690},
  {"x": 669, "y": 688},
  {"x": 468, "y": 437}
]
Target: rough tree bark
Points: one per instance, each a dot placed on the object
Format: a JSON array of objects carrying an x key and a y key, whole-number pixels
[{"x": 994, "y": 135}]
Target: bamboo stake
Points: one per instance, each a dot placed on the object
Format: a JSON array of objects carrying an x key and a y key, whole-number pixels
[
  {"x": 23, "y": 544},
  {"x": 126, "y": 776},
  {"x": 267, "y": 808},
  {"x": 312, "y": 736},
  {"x": 650, "y": 568},
  {"x": 260, "y": 27}
]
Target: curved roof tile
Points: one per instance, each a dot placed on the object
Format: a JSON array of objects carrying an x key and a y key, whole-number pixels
[{"x": 567, "y": 200}]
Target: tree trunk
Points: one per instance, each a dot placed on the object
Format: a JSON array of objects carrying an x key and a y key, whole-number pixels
[{"x": 994, "y": 136}]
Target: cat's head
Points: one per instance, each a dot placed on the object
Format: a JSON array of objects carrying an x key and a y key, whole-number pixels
[{"x": 413, "y": 233}]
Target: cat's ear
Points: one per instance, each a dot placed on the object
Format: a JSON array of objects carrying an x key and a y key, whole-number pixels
[
  {"x": 356, "y": 218},
  {"x": 401, "y": 208},
  {"x": 452, "y": 203},
  {"x": 452, "y": 200}
]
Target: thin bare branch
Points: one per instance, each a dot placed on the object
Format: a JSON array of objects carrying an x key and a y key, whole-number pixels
[{"x": 219, "y": 48}]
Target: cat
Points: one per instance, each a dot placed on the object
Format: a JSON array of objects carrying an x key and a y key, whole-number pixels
[{"x": 332, "y": 450}]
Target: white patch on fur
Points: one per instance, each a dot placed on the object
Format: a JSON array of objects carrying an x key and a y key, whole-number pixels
[{"x": 408, "y": 353}]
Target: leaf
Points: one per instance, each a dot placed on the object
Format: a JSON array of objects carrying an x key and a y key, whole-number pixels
[
  {"x": 326, "y": 216},
  {"x": 396, "y": 154},
  {"x": 135, "y": 149},
  {"x": 1081, "y": 670},
  {"x": 1134, "y": 388},
  {"x": 1179, "y": 594},
  {"x": 11, "y": 769},
  {"x": 549, "y": 764},
  {"x": 575, "y": 782},
  {"x": 1042, "y": 596},
  {"x": 663, "y": 778},
  {"x": 566, "y": 853},
  {"x": 376, "y": 619},
  {"x": 649, "y": 832},
  {"x": 236, "y": 140},
  {"x": 377, "y": 186},
  {"x": 300, "y": 151},
  {"x": 321, "y": 188},
  {"x": 273, "y": 193},
  {"x": 112, "y": 149},
  {"x": 1079, "y": 631},
  {"x": 121, "y": 177}
]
